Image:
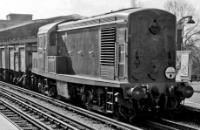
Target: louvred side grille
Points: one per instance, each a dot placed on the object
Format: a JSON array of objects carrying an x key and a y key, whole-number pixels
[{"x": 108, "y": 38}]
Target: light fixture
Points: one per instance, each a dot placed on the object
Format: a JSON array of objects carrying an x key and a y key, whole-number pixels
[{"x": 190, "y": 20}]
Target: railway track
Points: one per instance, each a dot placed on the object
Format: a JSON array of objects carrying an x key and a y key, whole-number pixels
[
  {"x": 164, "y": 124},
  {"x": 27, "y": 97},
  {"x": 14, "y": 92},
  {"x": 21, "y": 120},
  {"x": 188, "y": 115},
  {"x": 43, "y": 119}
]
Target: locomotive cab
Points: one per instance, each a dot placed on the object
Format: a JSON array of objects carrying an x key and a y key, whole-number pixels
[
  {"x": 152, "y": 59},
  {"x": 152, "y": 48}
]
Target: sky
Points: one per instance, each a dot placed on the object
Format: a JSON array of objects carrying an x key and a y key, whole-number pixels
[{"x": 51, "y": 8}]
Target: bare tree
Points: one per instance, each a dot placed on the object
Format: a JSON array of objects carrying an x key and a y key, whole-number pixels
[
  {"x": 180, "y": 8},
  {"x": 191, "y": 35}
]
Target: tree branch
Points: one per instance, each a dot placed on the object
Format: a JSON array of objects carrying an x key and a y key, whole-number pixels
[{"x": 189, "y": 37}]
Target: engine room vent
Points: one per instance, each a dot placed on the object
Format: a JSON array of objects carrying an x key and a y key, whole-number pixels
[
  {"x": 107, "y": 59},
  {"x": 108, "y": 37}
]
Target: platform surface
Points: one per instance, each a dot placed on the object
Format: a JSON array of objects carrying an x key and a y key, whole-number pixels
[
  {"x": 194, "y": 101},
  {"x": 6, "y": 124}
]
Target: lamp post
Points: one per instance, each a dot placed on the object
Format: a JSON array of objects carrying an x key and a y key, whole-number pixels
[
  {"x": 180, "y": 30},
  {"x": 184, "y": 64}
]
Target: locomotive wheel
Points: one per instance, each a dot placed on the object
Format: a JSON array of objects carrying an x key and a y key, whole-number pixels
[
  {"x": 89, "y": 97},
  {"x": 24, "y": 82},
  {"x": 172, "y": 103},
  {"x": 5, "y": 75},
  {"x": 132, "y": 115},
  {"x": 41, "y": 88},
  {"x": 116, "y": 114},
  {"x": 125, "y": 114},
  {"x": 52, "y": 91}
]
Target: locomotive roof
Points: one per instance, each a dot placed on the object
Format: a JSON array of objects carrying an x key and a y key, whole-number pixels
[
  {"x": 29, "y": 29},
  {"x": 113, "y": 16},
  {"x": 47, "y": 28},
  {"x": 96, "y": 20}
]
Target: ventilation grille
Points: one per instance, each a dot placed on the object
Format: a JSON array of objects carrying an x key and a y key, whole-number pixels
[{"x": 108, "y": 38}]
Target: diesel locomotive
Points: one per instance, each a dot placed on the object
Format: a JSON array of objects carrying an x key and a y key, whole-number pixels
[{"x": 121, "y": 62}]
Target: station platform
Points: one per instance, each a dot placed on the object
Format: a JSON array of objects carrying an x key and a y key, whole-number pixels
[
  {"x": 5, "y": 124},
  {"x": 194, "y": 101},
  {"x": 192, "y": 106}
]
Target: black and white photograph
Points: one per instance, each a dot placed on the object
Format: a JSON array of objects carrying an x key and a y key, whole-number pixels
[{"x": 99, "y": 65}]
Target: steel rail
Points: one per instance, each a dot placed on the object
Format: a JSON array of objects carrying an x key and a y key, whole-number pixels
[
  {"x": 45, "y": 119},
  {"x": 111, "y": 122},
  {"x": 164, "y": 124},
  {"x": 47, "y": 110},
  {"x": 20, "y": 119}
]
